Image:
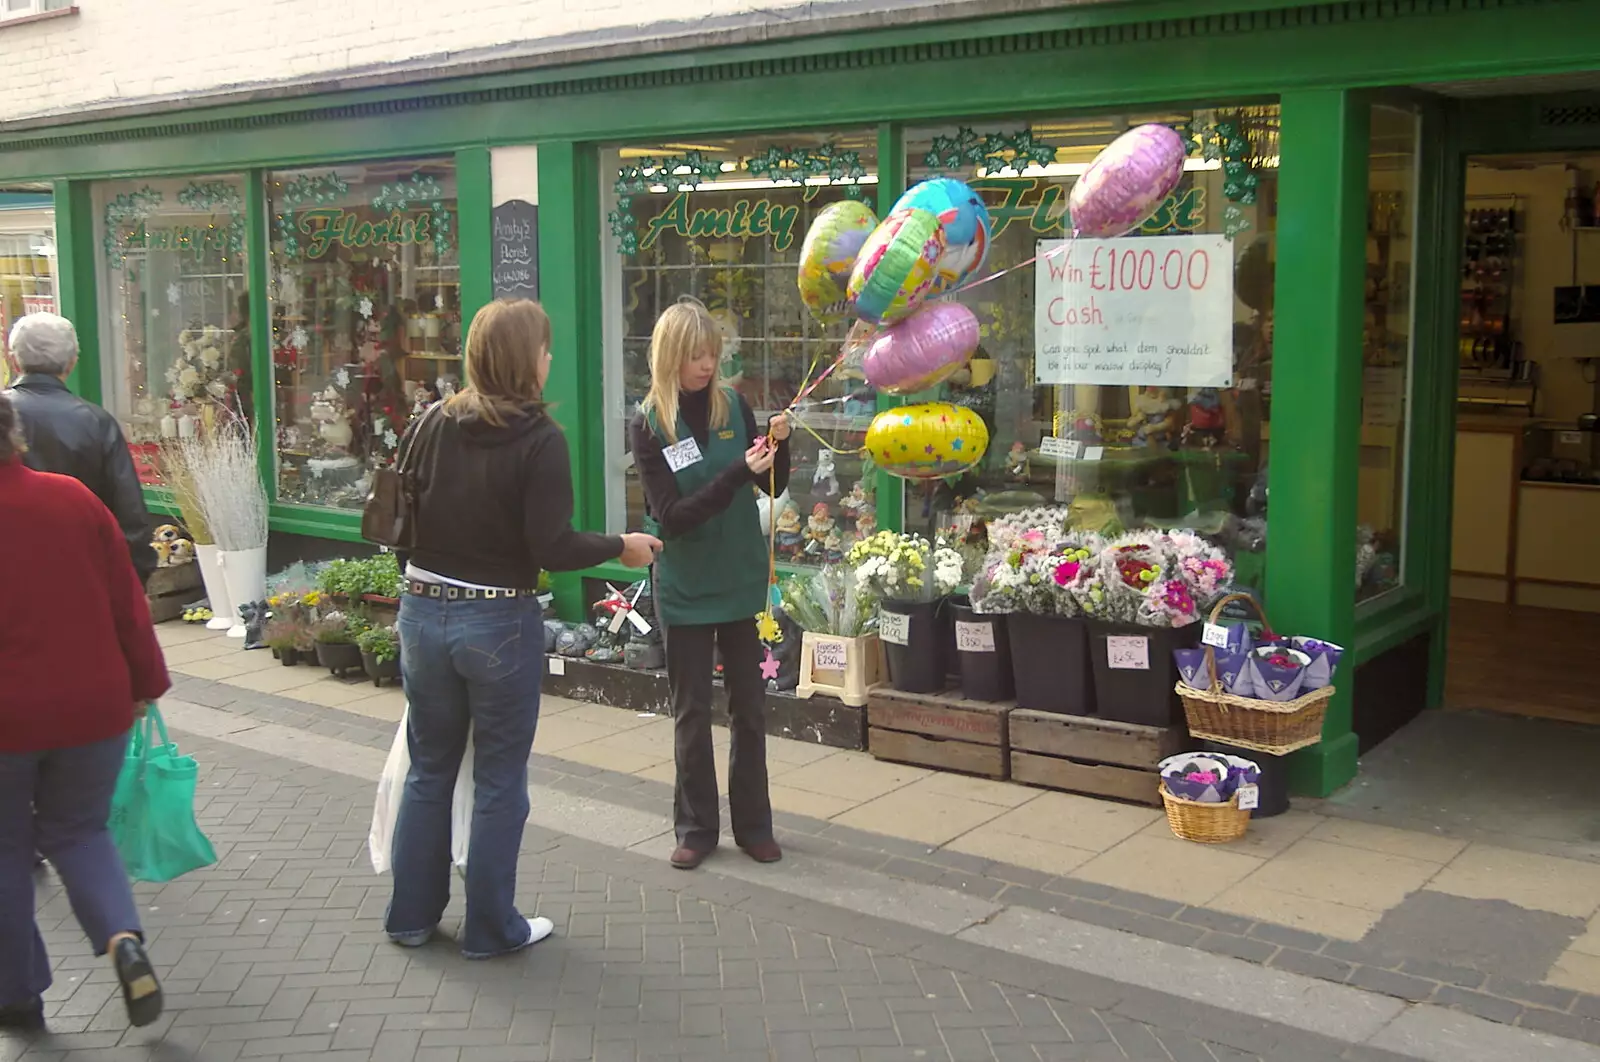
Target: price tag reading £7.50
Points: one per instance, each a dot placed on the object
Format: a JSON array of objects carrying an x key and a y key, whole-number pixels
[
  {"x": 894, "y": 628},
  {"x": 829, "y": 656}
]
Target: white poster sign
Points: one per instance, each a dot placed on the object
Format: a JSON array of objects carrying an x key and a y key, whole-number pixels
[{"x": 1152, "y": 311}]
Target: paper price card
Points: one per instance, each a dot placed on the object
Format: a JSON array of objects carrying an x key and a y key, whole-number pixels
[
  {"x": 558, "y": 666},
  {"x": 830, "y": 656},
  {"x": 1216, "y": 636},
  {"x": 1051, "y": 446},
  {"x": 1128, "y": 653},
  {"x": 894, "y": 627},
  {"x": 681, "y": 455},
  {"x": 974, "y": 637},
  {"x": 1249, "y": 797}
]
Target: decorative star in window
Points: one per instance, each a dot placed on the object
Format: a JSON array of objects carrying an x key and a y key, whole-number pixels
[{"x": 365, "y": 306}]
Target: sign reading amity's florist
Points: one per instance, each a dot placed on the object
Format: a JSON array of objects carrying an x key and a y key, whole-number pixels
[{"x": 1151, "y": 311}]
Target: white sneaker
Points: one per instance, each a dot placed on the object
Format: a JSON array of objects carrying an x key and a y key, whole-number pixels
[{"x": 538, "y": 929}]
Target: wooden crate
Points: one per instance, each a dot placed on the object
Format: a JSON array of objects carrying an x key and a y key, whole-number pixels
[
  {"x": 938, "y": 730},
  {"x": 171, "y": 590},
  {"x": 1083, "y": 754}
]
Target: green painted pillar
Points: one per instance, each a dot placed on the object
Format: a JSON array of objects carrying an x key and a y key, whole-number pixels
[
  {"x": 75, "y": 280},
  {"x": 569, "y": 288},
  {"x": 1316, "y": 395},
  {"x": 891, "y": 490}
]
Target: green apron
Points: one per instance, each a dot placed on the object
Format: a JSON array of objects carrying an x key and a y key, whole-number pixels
[{"x": 716, "y": 573}]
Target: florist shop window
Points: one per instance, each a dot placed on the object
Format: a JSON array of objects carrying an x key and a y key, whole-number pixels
[
  {"x": 1127, "y": 379},
  {"x": 27, "y": 271},
  {"x": 174, "y": 308},
  {"x": 723, "y": 220},
  {"x": 366, "y": 317}
]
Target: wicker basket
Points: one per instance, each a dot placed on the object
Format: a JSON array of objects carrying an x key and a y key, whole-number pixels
[
  {"x": 1272, "y": 727},
  {"x": 1205, "y": 823}
]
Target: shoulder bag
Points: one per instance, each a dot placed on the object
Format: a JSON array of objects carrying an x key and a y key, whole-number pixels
[{"x": 390, "y": 516}]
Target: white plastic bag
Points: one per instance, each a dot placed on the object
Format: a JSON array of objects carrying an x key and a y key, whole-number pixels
[{"x": 386, "y": 808}]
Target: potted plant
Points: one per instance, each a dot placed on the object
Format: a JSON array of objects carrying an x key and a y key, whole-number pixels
[
  {"x": 911, "y": 578},
  {"x": 335, "y": 635},
  {"x": 839, "y": 653},
  {"x": 282, "y": 637},
  {"x": 1031, "y": 577},
  {"x": 380, "y": 653},
  {"x": 1145, "y": 597},
  {"x": 373, "y": 581}
]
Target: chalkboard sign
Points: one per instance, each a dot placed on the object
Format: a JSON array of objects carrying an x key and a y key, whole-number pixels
[{"x": 516, "y": 250}]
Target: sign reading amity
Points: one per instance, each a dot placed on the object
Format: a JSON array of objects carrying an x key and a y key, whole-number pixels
[
  {"x": 1148, "y": 310},
  {"x": 743, "y": 219}
]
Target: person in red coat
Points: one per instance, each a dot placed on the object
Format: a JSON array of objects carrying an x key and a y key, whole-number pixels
[{"x": 80, "y": 661}]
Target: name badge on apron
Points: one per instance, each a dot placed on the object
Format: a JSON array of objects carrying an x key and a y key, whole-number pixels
[{"x": 681, "y": 455}]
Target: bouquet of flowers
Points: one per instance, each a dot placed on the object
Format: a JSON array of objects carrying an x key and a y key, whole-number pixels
[
  {"x": 1208, "y": 778},
  {"x": 1155, "y": 580},
  {"x": 1040, "y": 569},
  {"x": 200, "y": 370},
  {"x": 904, "y": 567},
  {"x": 829, "y": 601}
]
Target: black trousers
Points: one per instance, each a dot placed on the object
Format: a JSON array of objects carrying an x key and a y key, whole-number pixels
[{"x": 690, "y": 675}]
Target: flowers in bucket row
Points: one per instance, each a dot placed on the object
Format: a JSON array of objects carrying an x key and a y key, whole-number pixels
[
  {"x": 1150, "y": 578},
  {"x": 1280, "y": 669},
  {"x": 904, "y": 567}
]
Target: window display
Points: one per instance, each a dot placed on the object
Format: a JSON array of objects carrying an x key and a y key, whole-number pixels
[
  {"x": 27, "y": 270},
  {"x": 1127, "y": 378},
  {"x": 1386, "y": 349},
  {"x": 724, "y": 220},
  {"x": 366, "y": 317},
  {"x": 174, "y": 307}
]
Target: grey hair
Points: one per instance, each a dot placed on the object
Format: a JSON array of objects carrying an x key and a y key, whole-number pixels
[{"x": 44, "y": 342}]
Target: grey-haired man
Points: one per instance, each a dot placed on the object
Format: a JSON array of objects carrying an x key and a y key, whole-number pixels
[{"x": 68, "y": 435}]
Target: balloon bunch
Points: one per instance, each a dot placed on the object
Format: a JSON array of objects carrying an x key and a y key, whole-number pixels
[{"x": 933, "y": 243}]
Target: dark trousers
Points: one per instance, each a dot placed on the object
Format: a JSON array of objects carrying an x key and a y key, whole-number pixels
[
  {"x": 58, "y": 803},
  {"x": 689, "y": 672}
]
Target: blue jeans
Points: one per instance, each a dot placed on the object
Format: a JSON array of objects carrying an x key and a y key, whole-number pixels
[
  {"x": 57, "y": 803},
  {"x": 478, "y": 663}
]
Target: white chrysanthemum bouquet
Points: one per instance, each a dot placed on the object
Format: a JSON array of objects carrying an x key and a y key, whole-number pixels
[{"x": 904, "y": 567}]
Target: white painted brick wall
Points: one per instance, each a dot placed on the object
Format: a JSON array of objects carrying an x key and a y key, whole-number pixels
[{"x": 124, "y": 51}]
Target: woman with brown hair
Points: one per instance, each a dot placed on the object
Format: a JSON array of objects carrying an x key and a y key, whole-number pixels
[{"x": 494, "y": 507}]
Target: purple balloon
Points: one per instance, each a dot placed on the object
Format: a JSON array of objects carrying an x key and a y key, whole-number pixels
[
  {"x": 1127, "y": 182},
  {"x": 922, "y": 350}
]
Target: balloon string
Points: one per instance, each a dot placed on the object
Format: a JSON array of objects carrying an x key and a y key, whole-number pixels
[
  {"x": 821, "y": 441},
  {"x": 1010, "y": 269}
]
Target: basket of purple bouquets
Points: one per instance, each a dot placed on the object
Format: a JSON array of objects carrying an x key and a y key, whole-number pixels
[
  {"x": 1268, "y": 696},
  {"x": 1203, "y": 795}
]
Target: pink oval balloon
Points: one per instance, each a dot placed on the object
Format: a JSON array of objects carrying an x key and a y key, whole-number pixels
[
  {"x": 1127, "y": 182},
  {"x": 923, "y": 349}
]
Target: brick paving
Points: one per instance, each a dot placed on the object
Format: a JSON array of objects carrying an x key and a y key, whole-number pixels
[{"x": 277, "y": 953}]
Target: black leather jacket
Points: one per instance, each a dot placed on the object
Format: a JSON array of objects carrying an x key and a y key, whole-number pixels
[{"x": 68, "y": 435}]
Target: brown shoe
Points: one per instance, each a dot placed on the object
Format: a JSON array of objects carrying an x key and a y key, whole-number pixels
[
  {"x": 686, "y": 858},
  {"x": 763, "y": 851}
]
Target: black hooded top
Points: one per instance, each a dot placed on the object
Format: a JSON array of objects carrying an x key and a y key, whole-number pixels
[{"x": 495, "y": 504}]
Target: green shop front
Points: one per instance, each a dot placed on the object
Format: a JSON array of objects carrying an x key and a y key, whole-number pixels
[{"x": 312, "y": 262}]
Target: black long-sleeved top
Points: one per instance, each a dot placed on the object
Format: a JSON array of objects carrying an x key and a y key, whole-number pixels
[
  {"x": 495, "y": 504},
  {"x": 675, "y": 513}
]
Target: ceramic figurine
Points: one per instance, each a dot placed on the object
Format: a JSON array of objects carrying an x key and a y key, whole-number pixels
[
  {"x": 858, "y": 503},
  {"x": 1155, "y": 418},
  {"x": 1017, "y": 463},
  {"x": 825, "y": 480},
  {"x": 818, "y": 529},
  {"x": 1207, "y": 421},
  {"x": 333, "y": 425},
  {"x": 833, "y": 547},
  {"x": 790, "y": 532},
  {"x": 866, "y": 526}
]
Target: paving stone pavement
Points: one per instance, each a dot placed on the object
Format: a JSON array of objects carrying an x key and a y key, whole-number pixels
[{"x": 276, "y": 952}]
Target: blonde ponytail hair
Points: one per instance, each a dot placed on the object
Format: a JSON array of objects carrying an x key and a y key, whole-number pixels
[{"x": 683, "y": 330}]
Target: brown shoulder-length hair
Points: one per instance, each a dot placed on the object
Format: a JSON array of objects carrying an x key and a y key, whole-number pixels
[
  {"x": 11, "y": 444},
  {"x": 504, "y": 344}
]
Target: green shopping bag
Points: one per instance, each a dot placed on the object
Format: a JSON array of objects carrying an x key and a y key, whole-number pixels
[{"x": 152, "y": 809}]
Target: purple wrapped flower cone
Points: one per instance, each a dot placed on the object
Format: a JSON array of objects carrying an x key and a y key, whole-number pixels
[
  {"x": 1198, "y": 777},
  {"x": 1234, "y": 671},
  {"x": 1277, "y": 674},
  {"x": 1192, "y": 668},
  {"x": 1324, "y": 662}
]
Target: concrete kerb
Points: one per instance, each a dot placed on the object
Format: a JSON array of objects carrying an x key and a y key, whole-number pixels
[{"x": 1289, "y": 1000}]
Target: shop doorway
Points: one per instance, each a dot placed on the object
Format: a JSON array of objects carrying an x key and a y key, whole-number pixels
[{"x": 1525, "y": 549}]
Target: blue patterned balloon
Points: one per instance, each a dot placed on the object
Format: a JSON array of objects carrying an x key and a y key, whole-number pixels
[{"x": 965, "y": 220}]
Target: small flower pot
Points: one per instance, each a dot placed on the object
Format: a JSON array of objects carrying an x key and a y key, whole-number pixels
[
  {"x": 914, "y": 636},
  {"x": 341, "y": 658},
  {"x": 1050, "y": 663},
  {"x": 288, "y": 657},
  {"x": 380, "y": 670}
]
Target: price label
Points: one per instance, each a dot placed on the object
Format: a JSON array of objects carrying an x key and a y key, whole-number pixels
[
  {"x": 1093, "y": 453},
  {"x": 830, "y": 656},
  {"x": 1051, "y": 446},
  {"x": 1216, "y": 636},
  {"x": 1249, "y": 797},
  {"x": 558, "y": 666},
  {"x": 1128, "y": 653},
  {"x": 894, "y": 627},
  {"x": 974, "y": 637},
  {"x": 681, "y": 455}
]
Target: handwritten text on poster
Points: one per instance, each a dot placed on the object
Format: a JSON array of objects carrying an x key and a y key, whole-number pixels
[{"x": 1151, "y": 310}]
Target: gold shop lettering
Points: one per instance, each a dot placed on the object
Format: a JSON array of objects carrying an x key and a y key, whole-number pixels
[
  {"x": 329, "y": 226},
  {"x": 1046, "y": 213},
  {"x": 746, "y": 219}
]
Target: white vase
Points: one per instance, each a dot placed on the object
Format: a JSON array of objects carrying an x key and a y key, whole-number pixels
[
  {"x": 222, "y": 610},
  {"x": 245, "y": 573}
]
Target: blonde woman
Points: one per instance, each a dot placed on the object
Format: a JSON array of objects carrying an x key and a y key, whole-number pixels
[
  {"x": 494, "y": 506},
  {"x": 698, "y": 454}
]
